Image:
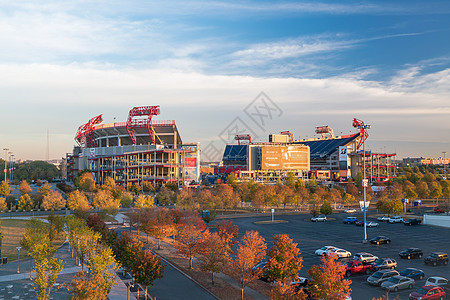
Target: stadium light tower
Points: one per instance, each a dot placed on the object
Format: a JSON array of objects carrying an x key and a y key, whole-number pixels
[
  {"x": 6, "y": 159},
  {"x": 363, "y": 129}
]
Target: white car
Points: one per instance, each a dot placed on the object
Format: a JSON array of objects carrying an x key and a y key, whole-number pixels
[
  {"x": 395, "y": 219},
  {"x": 324, "y": 250},
  {"x": 340, "y": 252},
  {"x": 438, "y": 281},
  {"x": 383, "y": 218},
  {"x": 372, "y": 224},
  {"x": 350, "y": 210},
  {"x": 319, "y": 218},
  {"x": 365, "y": 257}
]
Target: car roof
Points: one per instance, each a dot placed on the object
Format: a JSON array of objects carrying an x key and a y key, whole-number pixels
[
  {"x": 413, "y": 269},
  {"x": 437, "y": 277},
  {"x": 386, "y": 270},
  {"x": 429, "y": 287},
  {"x": 364, "y": 253}
]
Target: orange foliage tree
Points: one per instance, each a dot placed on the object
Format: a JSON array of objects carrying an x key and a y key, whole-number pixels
[
  {"x": 215, "y": 254},
  {"x": 328, "y": 281},
  {"x": 284, "y": 259},
  {"x": 251, "y": 251}
]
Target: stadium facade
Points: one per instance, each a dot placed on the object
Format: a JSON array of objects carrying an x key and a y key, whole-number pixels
[{"x": 138, "y": 150}]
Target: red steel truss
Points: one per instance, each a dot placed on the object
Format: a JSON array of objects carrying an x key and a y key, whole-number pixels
[
  {"x": 142, "y": 111},
  {"x": 362, "y": 130},
  {"x": 290, "y": 134},
  {"x": 243, "y": 137},
  {"x": 85, "y": 132}
]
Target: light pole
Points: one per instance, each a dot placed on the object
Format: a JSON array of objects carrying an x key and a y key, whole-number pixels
[
  {"x": 6, "y": 159},
  {"x": 11, "y": 173},
  {"x": 18, "y": 255},
  {"x": 445, "y": 168}
]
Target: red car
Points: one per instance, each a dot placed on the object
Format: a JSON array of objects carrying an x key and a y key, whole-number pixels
[
  {"x": 428, "y": 292},
  {"x": 437, "y": 210},
  {"x": 355, "y": 266}
]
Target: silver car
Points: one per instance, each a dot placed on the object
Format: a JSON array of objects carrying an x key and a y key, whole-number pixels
[
  {"x": 396, "y": 283},
  {"x": 381, "y": 276}
]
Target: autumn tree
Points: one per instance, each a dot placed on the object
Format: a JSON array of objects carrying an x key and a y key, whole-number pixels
[
  {"x": 55, "y": 225},
  {"x": 104, "y": 200},
  {"x": 285, "y": 291},
  {"x": 251, "y": 250},
  {"x": 352, "y": 190},
  {"x": 135, "y": 188},
  {"x": 214, "y": 254},
  {"x": 203, "y": 197},
  {"x": 190, "y": 236},
  {"x": 158, "y": 222},
  {"x": 86, "y": 182},
  {"x": 284, "y": 261},
  {"x": 328, "y": 281},
  {"x": 77, "y": 201},
  {"x": 228, "y": 232},
  {"x": 126, "y": 250},
  {"x": 232, "y": 180},
  {"x": 165, "y": 196},
  {"x": 5, "y": 190},
  {"x": 24, "y": 187},
  {"x": 25, "y": 202},
  {"x": 147, "y": 268},
  {"x": 3, "y": 205},
  {"x": 126, "y": 199},
  {"x": 144, "y": 202},
  {"x": 185, "y": 199},
  {"x": 53, "y": 200},
  {"x": 109, "y": 183}
]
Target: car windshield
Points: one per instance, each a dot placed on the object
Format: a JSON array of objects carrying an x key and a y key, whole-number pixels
[
  {"x": 431, "y": 280},
  {"x": 406, "y": 272},
  {"x": 409, "y": 250},
  {"x": 422, "y": 291},
  {"x": 379, "y": 261},
  {"x": 394, "y": 280},
  {"x": 377, "y": 275},
  {"x": 324, "y": 248},
  {"x": 434, "y": 255},
  {"x": 349, "y": 264}
]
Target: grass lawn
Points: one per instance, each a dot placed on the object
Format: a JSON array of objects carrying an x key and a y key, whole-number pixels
[{"x": 13, "y": 230}]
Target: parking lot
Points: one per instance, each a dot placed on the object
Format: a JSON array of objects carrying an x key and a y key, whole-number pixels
[{"x": 311, "y": 236}]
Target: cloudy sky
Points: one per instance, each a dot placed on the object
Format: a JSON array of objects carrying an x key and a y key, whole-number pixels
[{"x": 206, "y": 64}]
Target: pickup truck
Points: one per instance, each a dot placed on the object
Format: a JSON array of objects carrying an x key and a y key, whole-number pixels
[
  {"x": 355, "y": 266},
  {"x": 350, "y": 220}
]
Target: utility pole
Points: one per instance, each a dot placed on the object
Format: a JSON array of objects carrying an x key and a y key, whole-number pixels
[
  {"x": 6, "y": 159},
  {"x": 445, "y": 166}
]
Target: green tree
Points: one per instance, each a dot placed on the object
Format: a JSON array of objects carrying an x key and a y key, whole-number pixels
[
  {"x": 284, "y": 261},
  {"x": 165, "y": 196},
  {"x": 232, "y": 180},
  {"x": 55, "y": 225},
  {"x": 126, "y": 250},
  {"x": 126, "y": 199},
  {"x": 5, "y": 190},
  {"x": 25, "y": 202},
  {"x": 326, "y": 208}
]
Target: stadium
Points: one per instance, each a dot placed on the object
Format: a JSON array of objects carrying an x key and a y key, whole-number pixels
[
  {"x": 138, "y": 150},
  {"x": 328, "y": 157}
]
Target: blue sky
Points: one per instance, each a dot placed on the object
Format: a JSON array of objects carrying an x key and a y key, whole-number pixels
[{"x": 204, "y": 62}]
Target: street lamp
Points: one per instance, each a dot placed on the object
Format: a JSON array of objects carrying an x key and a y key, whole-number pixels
[
  {"x": 445, "y": 168},
  {"x": 18, "y": 255},
  {"x": 11, "y": 173},
  {"x": 6, "y": 158}
]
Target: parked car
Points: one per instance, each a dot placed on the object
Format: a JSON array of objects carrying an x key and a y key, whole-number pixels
[
  {"x": 411, "y": 253},
  {"x": 437, "y": 281},
  {"x": 356, "y": 266},
  {"x": 383, "y": 218},
  {"x": 350, "y": 210},
  {"x": 438, "y": 210},
  {"x": 339, "y": 252},
  {"x": 372, "y": 224},
  {"x": 397, "y": 283},
  {"x": 365, "y": 257},
  {"x": 395, "y": 219},
  {"x": 350, "y": 220},
  {"x": 319, "y": 218},
  {"x": 413, "y": 273},
  {"x": 381, "y": 276},
  {"x": 412, "y": 221},
  {"x": 437, "y": 258},
  {"x": 384, "y": 263},
  {"x": 359, "y": 223},
  {"x": 261, "y": 269},
  {"x": 380, "y": 240},
  {"x": 323, "y": 250},
  {"x": 428, "y": 292}
]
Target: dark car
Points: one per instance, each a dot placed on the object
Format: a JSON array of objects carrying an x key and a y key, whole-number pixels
[
  {"x": 412, "y": 221},
  {"x": 413, "y": 273},
  {"x": 359, "y": 223},
  {"x": 384, "y": 263},
  {"x": 437, "y": 258},
  {"x": 380, "y": 240},
  {"x": 411, "y": 253},
  {"x": 428, "y": 292}
]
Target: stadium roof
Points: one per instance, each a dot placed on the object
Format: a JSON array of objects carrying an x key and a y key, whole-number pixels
[{"x": 323, "y": 148}]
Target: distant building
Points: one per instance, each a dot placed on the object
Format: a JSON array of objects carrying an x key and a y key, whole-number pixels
[{"x": 416, "y": 161}]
